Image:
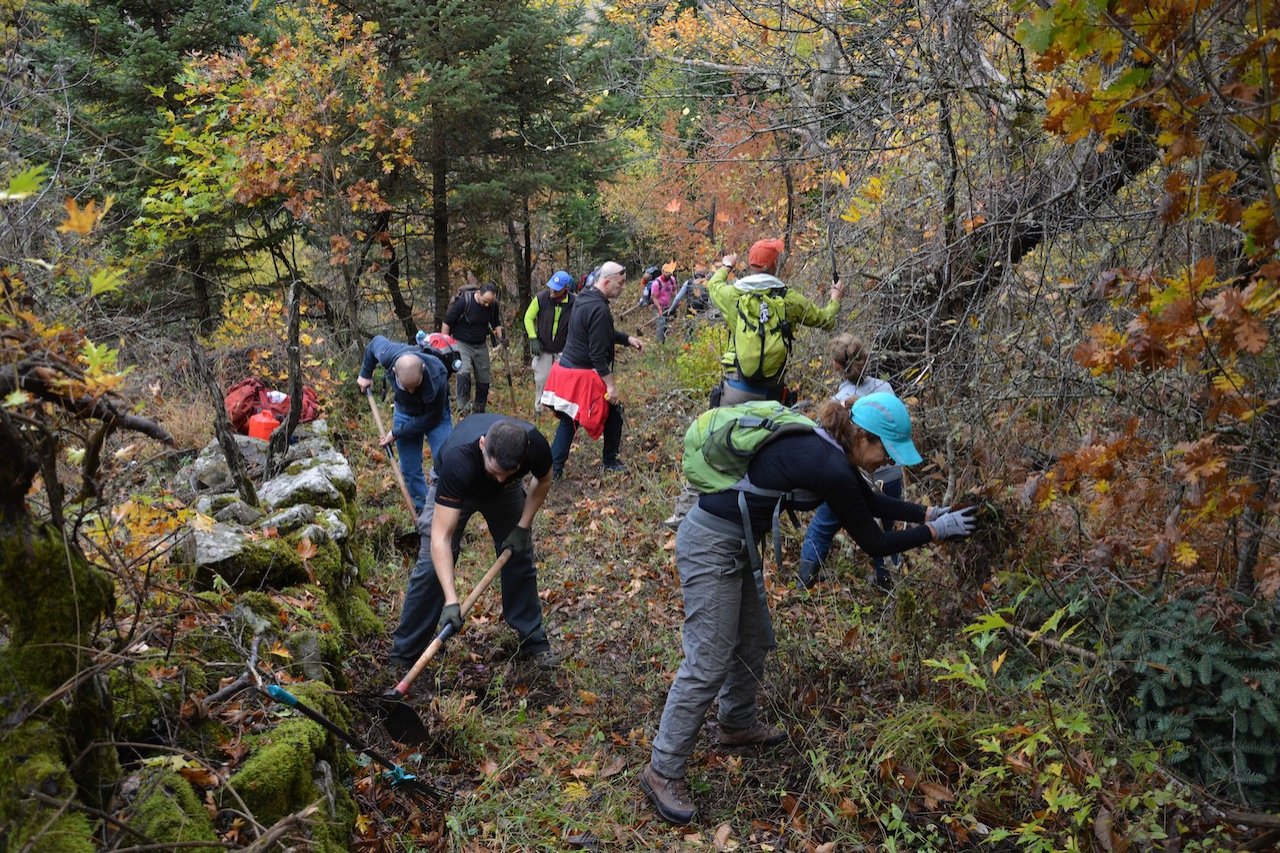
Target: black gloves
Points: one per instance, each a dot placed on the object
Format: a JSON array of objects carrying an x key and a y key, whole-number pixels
[
  {"x": 519, "y": 540},
  {"x": 452, "y": 616},
  {"x": 535, "y": 347}
]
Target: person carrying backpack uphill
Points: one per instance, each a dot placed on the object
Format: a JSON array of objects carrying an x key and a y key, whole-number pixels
[
  {"x": 763, "y": 314},
  {"x": 473, "y": 317},
  {"x": 727, "y": 629}
]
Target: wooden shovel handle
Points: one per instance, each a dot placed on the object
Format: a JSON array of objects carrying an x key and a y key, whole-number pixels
[
  {"x": 476, "y": 591},
  {"x": 395, "y": 466}
]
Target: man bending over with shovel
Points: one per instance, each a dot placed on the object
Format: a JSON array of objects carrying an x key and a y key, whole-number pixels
[
  {"x": 420, "y": 387},
  {"x": 480, "y": 469}
]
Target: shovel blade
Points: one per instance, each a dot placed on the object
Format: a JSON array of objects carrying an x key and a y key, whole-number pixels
[{"x": 402, "y": 722}]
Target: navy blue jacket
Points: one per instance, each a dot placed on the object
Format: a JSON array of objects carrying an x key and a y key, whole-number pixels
[{"x": 425, "y": 406}]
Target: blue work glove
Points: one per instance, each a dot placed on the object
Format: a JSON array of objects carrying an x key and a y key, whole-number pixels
[
  {"x": 519, "y": 540},
  {"x": 935, "y": 512},
  {"x": 957, "y": 523},
  {"x": 452, "y": 616}
]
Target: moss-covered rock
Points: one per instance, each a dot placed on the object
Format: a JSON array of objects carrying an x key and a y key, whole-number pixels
[
  {"x": 357, "y": 615},
  {"x": 31, "y": 760},
  {"x": 167, "y": 810},
  {"x": 52, "y": 598},
  {"x": 149, "y": 691},
  {"x": 298, "y": 763}
]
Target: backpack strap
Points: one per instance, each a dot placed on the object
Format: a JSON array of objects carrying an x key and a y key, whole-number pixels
[{"x": 757, "y": 568}]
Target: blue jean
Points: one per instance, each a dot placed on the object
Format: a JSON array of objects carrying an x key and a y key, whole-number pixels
[
  {"x": 424, "y": 599},
  {"x": 726, "y": 637},
  {"x": 823, "y": 528},
  {"x": 410, "y": 449}
]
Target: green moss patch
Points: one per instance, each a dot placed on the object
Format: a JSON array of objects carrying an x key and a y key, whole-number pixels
[{"x": 167, "y": 810}]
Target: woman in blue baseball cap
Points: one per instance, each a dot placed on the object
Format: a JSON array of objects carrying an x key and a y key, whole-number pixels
[{"x": 727, "y": 629}]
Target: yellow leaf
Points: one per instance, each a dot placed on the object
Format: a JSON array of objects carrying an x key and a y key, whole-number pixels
[
  {"x": 1184, "y": 555},
  {"x": 873, "y": 190},
  {"x": 841, "y": 177},
  {"x": 587, "y": 697},
  {"x": 202, "y": 522},
  {"x": 280, "y": 651},
  {"x": 998, "y": 662},
  {"x": 575, "y": 791},
  {"x": 363, "y": 824}
]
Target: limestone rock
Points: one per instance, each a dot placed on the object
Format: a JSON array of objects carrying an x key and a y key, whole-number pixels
[{"x": 291, "y": 519}]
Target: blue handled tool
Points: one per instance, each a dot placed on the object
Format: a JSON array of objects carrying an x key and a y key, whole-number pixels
[{"x": 396, "y": 774}]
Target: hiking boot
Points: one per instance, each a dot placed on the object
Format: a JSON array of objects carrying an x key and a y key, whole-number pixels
[
  {"x": 808, "y": 574},
  {"x": 613, "y": 465},
  {"x": 556, "y": 474},
  {"x": 545, "y": 660},
  {"x": 756, "y": 734},
  {"x": 673, "y": 521},
  {"x": 669, "y": 796}
]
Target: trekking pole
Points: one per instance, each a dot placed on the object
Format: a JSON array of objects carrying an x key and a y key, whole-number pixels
[{"x": 629, "y": 310}]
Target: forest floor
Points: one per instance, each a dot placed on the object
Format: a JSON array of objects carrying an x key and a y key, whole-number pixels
[{"x": 549, "y": 760}]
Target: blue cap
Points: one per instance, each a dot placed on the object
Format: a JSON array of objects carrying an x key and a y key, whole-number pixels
[
  {"x": 560, "y": 280},
  {"x": 884, "y": 416}
]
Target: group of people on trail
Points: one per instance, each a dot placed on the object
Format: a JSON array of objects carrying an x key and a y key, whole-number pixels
[
  {"x": 658, "y": 289},
  {"x": 846, "y": 466}
]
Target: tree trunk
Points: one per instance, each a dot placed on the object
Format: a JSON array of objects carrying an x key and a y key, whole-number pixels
[
  {"x": 278, "y": 447},
  {"x": 391, "y": 278},
  {"x": 440, "y": 223},
  {"x": 222, "y": 427}
]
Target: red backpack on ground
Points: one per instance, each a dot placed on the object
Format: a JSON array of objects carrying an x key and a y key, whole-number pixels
[{"x": 251, "y": 395}]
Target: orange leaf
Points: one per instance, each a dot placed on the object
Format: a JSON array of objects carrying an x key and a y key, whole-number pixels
[
  {"x": 307, "y": 549},
  {"x": 201, "y": 776},
  {"x": 82, "y": 219}
]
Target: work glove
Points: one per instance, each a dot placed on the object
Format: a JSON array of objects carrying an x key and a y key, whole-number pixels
[
  {"x": 519, "y": 540},
  {"x": 957, "y": 523},
  {"x": 452, "y": 616},
  {"x": 933, "y": 513},
  {"x": 535, "y": 347}
]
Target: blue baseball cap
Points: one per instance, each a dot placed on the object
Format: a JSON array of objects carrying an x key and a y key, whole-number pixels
[
  {"x": 884, "y": 416},
  {"x": 559, "y": 281}
]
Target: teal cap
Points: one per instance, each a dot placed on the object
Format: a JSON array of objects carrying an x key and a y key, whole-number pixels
[{"x": 884, "y": 416}]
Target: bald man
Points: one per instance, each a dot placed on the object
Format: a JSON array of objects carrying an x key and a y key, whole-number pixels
[
  {"x": 420, "y": 386},
  {"x": 581, "y": 389}
]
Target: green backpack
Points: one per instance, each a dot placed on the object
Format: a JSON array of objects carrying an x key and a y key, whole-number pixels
[
  {"x": 761, "y": 335},
  {"x": 720, "y": 443}
]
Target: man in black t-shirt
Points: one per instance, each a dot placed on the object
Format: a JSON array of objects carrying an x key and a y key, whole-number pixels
[{"x": 480, "y": 469}]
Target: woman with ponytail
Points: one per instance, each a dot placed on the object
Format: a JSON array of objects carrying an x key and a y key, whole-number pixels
[
  {"x": 851, "y": 358},
  {"x": 727, "y": 628}
]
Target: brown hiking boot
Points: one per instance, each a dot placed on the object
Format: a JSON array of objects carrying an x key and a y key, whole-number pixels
[
  {"x": 669, "y": 796},
  {"x": 757, "y": 734}
]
